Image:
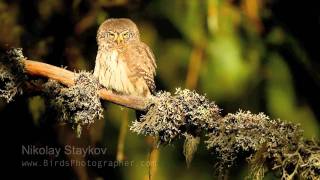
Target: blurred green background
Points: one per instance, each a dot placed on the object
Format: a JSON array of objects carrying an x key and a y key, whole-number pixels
[{"x": 261, "y": 56}]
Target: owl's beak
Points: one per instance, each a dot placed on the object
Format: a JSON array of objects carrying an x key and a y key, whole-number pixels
[{"x": 119, "y": 39}]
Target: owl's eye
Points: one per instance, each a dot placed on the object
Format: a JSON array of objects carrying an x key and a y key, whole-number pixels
[
  {"x": 111, "y": 35},
  {"x": 127, "y": 35}
]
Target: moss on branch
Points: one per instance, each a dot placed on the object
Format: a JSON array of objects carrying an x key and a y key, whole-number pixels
[
  {"x": 12, "y": 74},
  {"x": 78, "y": 105}
]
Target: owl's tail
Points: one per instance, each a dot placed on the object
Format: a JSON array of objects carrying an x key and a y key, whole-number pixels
[{"x": 150, "y": 92}]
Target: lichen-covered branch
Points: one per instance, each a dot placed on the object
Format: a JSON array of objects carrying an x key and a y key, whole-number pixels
[
  {"x": 268, "y": 144},
  {"x": 66, "y": 77},
  {"x": 78, "y": 105}
]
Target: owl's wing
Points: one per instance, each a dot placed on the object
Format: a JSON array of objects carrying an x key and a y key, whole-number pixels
[{"x": 142, "y": 63}]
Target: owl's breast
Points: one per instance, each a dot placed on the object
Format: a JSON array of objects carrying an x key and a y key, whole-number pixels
[{"x": 113, "y": 72}]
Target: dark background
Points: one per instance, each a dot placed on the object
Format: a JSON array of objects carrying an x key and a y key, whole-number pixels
[{"x": 261, "y": 56}]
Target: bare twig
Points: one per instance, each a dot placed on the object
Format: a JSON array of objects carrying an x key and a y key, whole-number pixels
[
  {"x": 153, "y": 159},
  {"x": 122, "y": 135}
]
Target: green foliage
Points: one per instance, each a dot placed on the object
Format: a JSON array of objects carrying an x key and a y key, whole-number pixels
[
  {"x": 187, "y": 16},
  {"x": 280, "y": 93}
]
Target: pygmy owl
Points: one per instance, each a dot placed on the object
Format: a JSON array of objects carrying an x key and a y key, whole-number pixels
[{"x": 124, "y": 63}]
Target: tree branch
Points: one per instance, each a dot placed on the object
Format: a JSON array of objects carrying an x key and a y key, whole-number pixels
[
  {"x": 267, "y": 143},
  {"x": 66, "y": 77}
]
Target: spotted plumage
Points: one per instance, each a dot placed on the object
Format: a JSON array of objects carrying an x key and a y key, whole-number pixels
[{"x": 124, "y": 63}]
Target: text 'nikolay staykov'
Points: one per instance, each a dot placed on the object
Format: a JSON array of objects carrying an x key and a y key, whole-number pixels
[{"x": 67, "y": 150}]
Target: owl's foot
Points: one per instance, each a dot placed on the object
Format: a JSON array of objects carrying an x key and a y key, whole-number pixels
[
  {"x": 117, "y": 92},
  {"x": 113, "y": 90}
]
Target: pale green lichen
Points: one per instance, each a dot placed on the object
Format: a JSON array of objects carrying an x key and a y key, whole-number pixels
[
  {"x": 12, "y": 74},
  {"x": 190, "y": 146},
  {"x": 78, "y": 105},
  {"x": 183, "y": 114},
  {"x": 173, "y": 115},
  {"x": 268, "y": 144}
]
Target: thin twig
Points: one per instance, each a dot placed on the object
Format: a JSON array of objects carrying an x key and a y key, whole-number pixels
[
  {"x": 153, "y": 159},
  {"x": 122, "y": 135}
]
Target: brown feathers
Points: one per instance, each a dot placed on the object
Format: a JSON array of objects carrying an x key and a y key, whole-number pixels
[{"x": 123, "y": 62}]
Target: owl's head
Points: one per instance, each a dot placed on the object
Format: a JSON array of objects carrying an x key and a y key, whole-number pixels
[{"x": 117, "y": 32}]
